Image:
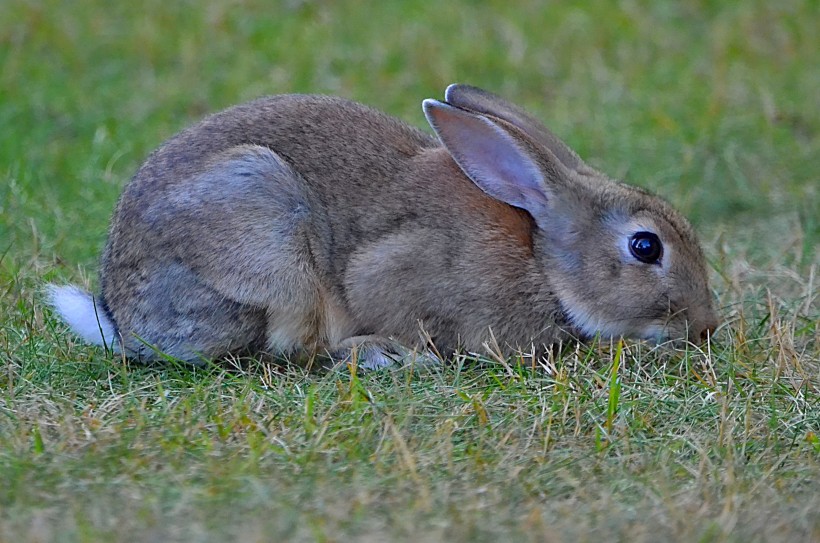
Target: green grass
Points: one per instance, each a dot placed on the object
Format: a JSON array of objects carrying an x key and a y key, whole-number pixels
[{"x": 714, "y": 105}]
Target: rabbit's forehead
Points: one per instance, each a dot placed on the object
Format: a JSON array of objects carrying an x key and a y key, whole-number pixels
[
  {"x": 636, "y": 211},
  {"x": 624, "y": 222}
]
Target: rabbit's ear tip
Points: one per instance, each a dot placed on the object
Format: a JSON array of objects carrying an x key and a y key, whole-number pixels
[
  {"x": 434, "y": 109},
  {"x": 431, "y": 103},
  {"x": 451, "y": 88}
]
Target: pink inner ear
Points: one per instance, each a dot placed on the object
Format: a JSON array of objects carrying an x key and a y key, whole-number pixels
[
  {"x": 480, "y": 101},
  {"x": 490, "y": 156}
]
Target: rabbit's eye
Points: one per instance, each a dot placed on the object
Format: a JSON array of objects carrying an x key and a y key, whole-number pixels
[{"x": 646, "y": 247}]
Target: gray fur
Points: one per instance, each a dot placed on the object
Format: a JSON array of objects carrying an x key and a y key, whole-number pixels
[{"x": 298, "y": 224}]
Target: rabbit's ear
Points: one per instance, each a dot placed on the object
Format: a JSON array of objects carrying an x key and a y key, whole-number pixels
[
  {"x": 481, "y": 101},
  {"x": 497, "y": 162}
]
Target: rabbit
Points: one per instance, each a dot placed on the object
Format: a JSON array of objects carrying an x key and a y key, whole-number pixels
[{"x": 313, "y": 224}]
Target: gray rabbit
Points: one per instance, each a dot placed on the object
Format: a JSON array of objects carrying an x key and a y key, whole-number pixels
[{"x": 311, "y": 224}]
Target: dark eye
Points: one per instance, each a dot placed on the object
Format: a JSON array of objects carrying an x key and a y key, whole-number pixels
[{"x": 646, "y": 247}]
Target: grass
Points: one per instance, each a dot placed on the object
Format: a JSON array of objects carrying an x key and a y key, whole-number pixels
[{"x": 713, "y": 105}]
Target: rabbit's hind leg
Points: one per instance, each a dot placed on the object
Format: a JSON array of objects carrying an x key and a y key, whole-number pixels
[
  {"x": 215, "y": 261},
  {"x": 179, "y": 316},
  {"x": 252, "y": 219}
]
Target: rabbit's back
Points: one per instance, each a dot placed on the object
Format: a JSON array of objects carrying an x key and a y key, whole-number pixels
[
  {"x": 350, "y": 158},
  {"x": 326, "y": 138}
]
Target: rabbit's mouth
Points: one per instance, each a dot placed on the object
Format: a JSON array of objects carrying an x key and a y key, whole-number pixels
[{"x": 677, "y": 335}]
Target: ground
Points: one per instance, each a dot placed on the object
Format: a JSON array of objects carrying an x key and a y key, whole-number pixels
[{"x": 713, "y": 105}]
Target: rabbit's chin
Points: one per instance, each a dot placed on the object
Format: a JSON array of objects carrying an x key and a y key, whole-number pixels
[
  {"x": 590, "y": 326},
  {"x": 656, "y": 333}
]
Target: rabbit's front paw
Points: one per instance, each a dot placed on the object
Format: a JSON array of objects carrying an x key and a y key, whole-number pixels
[{"x": 374, "y": 352}]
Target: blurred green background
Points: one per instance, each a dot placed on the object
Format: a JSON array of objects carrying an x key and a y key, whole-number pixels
[{"x": 715, "y": 105}]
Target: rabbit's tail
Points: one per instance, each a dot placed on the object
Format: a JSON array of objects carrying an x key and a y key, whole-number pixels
[{"x": 85, "y": 314}]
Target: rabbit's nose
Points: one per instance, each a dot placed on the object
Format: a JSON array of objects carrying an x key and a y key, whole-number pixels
[{"x": 708, "y": 331}]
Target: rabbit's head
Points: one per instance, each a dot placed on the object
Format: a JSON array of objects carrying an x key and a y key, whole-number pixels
[{"x": 621, "y": 261}]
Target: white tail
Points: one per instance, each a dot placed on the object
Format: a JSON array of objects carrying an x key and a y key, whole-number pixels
[{"x": 80, "y": 311}]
